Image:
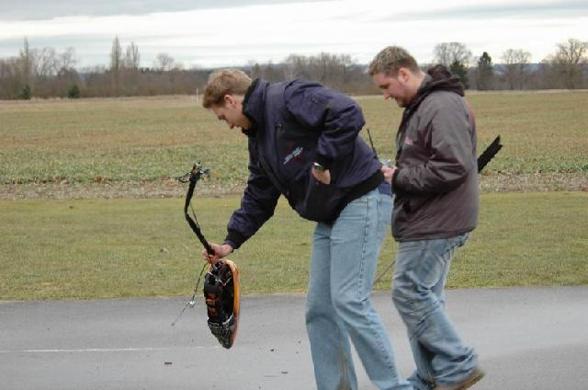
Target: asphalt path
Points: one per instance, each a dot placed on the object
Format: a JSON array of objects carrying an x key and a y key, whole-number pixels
[{"x": 527, "y": 338}]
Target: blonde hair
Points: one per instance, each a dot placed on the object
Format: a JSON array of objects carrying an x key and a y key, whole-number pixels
[
  {"x": 224, "y": 82},
  {"x": 390, "y": 59}
]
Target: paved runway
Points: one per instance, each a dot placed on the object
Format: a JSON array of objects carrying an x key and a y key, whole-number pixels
[{"x": 527, "y": 338}]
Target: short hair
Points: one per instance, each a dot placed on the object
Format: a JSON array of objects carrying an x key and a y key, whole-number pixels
[
  {"x": 224, "y": 82},
  {"x": 390, "y": 59}
]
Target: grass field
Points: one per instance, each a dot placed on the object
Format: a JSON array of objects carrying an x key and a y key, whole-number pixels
[
  {"x": 149, "y": 139},
  {"x": 84, "y": 246},
  {"x": 120, "y": 248}
]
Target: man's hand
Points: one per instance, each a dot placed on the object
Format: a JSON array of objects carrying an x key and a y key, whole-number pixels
[
  {"x": 220, "y": 251},
  {"x": 323, "y": 176},
  {"x": 388, "y": 172}
]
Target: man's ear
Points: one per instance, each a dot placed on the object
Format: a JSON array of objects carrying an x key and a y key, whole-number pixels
[
  {"x": 403, "y": 75},
  {"x": 229, "y": 100}
]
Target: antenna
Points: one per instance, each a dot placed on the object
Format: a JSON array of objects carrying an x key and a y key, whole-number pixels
[{"x": 372, "y": 142}]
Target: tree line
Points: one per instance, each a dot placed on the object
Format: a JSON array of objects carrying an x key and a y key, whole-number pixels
[{"x": 48, "y": 73}]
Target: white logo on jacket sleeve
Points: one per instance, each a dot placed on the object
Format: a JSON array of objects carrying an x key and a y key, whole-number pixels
[
  {"x": 295, "y": 153},
  {"x": 408, "y": 141}
]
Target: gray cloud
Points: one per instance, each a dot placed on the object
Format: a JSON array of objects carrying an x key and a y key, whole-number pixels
[
  {"x": 572, "y": 8},
  {"x": 44, "y": 9}
]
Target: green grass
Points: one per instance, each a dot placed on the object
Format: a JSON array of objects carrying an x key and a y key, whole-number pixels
[
  {"x": 138, "y": 139},
  {"x": 543, "y": 132},
  {"x": 118, "y": 248},
  {"x": 123, "y": 248},
  {"x": 114, "y": 140}
]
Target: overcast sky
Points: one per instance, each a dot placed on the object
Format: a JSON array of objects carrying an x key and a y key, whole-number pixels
[{"x": 210, "y": 33}]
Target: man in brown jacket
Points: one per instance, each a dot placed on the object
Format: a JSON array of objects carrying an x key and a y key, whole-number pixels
[{"x": 435, "y": 181}]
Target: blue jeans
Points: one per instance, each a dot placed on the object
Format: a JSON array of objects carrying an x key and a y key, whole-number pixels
[
  {"x": 338, "y": 306},
  {"x": 420, "y": 274}
]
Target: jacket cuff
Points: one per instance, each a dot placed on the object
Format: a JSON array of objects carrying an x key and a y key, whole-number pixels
[
  {"x": 235, "y": 239},
  {"x": 324, "y": 161}
]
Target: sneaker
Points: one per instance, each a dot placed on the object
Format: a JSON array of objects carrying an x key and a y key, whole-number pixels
[{"x": 468, "y": 382}]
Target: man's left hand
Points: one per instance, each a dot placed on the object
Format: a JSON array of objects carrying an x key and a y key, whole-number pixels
[{"x": 388, "y": 172}]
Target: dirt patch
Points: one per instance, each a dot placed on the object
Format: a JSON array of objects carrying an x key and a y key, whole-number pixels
[
  {"x": 539, "y": 182},
  {"x": 173, "y": 189},
  {"x": 108, "y": 190}
]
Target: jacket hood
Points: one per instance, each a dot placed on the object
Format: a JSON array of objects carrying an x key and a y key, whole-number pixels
[
  {"x": 443, "y": 79},
  {"x": 253, "y": 104},
  {"x": 437, "y": 78}
]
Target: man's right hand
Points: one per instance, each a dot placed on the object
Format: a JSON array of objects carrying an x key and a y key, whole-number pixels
[
  {"x": 220, "y": 251},
  {"x": 324, "y": 176}
]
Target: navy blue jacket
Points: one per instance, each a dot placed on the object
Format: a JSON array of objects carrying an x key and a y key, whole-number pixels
[{"x": 295, "y": 124}]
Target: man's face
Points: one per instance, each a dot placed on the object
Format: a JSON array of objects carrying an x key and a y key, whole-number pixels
[
  {"x": 395, "y": 87},
  {"x": 232, "y": 112}
]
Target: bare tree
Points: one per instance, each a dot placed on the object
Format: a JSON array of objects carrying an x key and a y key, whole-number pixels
[
  {"x": 48, "y": 62},
  {"x": 27, "y": 64},
  {"x": 67, "y": 76},
  {"x": 132, "y": 57},
  {"x": 116, "y": 59},
  {"x": 271, "y": 72},
  {"x": 326, "y": 68},
  {"x": 568, "y": 60},
  {"x": 45, "y": 63},
  {"x": 116, "y": 64},
  {"x": 10, "y": 78},
  {"x": 164, "y": 62},
  {"x": 515, "y": 65},
  {"x": 449, "y": 53},
  {"x": 67, "y": 59},
  {"x": 254, "y": 70},
  {"x": 455, "y": 56},
  {"x": 572, "y": 52},
  {"x": 296, "y": 66},
  {"x": 52, "y": 73}
]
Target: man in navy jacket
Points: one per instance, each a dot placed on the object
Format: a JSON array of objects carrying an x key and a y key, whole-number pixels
[{"x": 304, "y": 144}]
